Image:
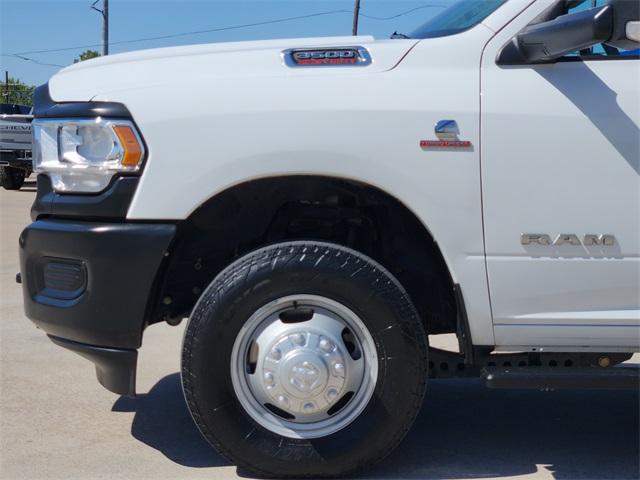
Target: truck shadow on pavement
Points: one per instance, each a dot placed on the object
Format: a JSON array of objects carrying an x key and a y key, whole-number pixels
[
  {"x": 163, "y": 422},
  {"x": 464, "y": 431},
  {"x": 29, "y": 186}
]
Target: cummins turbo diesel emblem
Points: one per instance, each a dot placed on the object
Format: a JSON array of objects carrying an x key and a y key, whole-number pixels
[
  {"x": 588, "y": 240},
  {"x": 447, "y": 132},
  {"x": 327, "y": 57}
]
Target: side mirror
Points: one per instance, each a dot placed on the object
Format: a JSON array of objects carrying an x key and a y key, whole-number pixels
[
  {"x": 617, "y": 24},
  {"x": 626, "y": 24},
  {"x": 548, "y": 41},
  {"x": 632, "y": 31}
]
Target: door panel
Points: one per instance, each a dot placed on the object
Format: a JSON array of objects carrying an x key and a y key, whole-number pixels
[{"x": 560, "y": 156}]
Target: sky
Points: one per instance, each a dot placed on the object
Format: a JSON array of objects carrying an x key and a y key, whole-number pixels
[{"x": 34, "y": 25}]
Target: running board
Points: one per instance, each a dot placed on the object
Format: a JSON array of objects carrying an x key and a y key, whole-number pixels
[{"x": 556, "y": 378}]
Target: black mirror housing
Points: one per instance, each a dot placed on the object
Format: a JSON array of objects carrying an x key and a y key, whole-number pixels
[
  {"x": 548, "y": 41},
  {"x": 624, "y": 11}
]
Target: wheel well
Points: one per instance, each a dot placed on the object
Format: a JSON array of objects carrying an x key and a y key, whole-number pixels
[{"x": 266, "y": 211}]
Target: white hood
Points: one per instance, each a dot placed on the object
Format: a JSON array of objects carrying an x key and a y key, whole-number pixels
[{"x": 176, "y": 65}]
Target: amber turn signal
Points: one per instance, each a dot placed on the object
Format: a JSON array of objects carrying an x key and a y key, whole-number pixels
[{"x": 130, "y": 144}]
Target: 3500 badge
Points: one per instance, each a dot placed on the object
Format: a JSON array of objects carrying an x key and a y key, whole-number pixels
[{"x": 347, "y": 56}]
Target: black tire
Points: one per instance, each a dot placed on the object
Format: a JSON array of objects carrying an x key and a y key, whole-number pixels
[
  {"x": 12, "y": 178},
  {"x": 344, "y": 276}
]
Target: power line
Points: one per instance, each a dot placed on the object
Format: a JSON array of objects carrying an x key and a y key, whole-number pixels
[
  {"x": 195, "y": 32},
  {"x": 401, "y": 14},
  {"x": 231, "y": 27},
  {"x": 22, "y": 57}
]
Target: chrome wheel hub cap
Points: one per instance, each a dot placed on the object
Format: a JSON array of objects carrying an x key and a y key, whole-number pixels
[
  {"x": 304, "y": 366},
  {"x": 304, "y": 371}
]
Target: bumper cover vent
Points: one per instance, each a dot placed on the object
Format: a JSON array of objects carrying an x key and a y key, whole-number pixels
[{"x": 61, "y": 279}]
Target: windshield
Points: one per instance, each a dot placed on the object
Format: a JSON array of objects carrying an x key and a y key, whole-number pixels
[{"x": 456, "y": 16}]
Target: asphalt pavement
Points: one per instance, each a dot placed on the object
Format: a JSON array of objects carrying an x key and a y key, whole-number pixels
[{"x": 57, "y": 422}]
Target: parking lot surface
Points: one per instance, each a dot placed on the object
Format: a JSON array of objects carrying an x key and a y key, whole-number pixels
[{"x": 56, "y": 421}]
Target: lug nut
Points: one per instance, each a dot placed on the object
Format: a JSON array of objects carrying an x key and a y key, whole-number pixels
[
  {"x": 332, "y": 393},
  {"x": 325, "y": 345},
  {"x": 309, "y": 407},
  {"x": 283, "y": 400},
  {"x": 298, "y": 339},
  {"x": 269, "y": 378},
  {"x": 338, "y": 369},
  {"x": 276, "y": 354}
]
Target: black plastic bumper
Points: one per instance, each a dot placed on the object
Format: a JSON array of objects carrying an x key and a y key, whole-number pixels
[
  {"x": 90, "y": 282},
  {"x": 110, "y": 205},
  {"x": 115, "y": 369}
]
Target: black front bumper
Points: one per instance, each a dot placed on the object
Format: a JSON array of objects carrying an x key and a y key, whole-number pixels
[
  {"x": 89, "y": 285},
  {"x": 115, "y": 368}
]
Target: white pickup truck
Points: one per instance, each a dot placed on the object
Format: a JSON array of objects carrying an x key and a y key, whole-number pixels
[
  {"x": 340, "y": 200},
  {"x": 15, "y": 145}
]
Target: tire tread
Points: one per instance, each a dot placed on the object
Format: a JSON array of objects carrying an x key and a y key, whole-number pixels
[{"x": 347, "y": 259}]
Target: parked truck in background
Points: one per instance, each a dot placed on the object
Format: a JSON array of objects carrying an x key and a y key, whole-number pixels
[
  {"x": 15, "y": 145},
  {"x": 340, "y": 200}
]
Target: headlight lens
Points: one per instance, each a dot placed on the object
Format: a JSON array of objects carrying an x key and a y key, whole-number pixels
[{"x": 83, "y": 155}]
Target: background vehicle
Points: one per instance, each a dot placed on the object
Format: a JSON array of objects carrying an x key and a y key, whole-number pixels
[
  {"x": 15, "y": 145},
  {"x": 337, "y": 203}
]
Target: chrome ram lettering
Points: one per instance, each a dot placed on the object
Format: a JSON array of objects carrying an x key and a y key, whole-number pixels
[
  {"x": 588, "y": 240},
  {"x": 605, "y": 240}
]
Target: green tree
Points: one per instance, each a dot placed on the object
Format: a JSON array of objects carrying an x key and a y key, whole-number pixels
[
  {"x": 86, "y": 55},
  {"x": 16, "y": 92}
]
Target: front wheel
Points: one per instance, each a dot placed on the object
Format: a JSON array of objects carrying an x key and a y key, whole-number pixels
[
  {"x": 12, "y": 178},
  {"x": 304, "y": 359}
]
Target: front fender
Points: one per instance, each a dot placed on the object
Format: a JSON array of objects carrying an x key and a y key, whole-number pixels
[{"x": 365, "y": 127}]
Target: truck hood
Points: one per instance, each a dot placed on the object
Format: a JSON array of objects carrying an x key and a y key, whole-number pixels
[{"x": 104, "y": 77}]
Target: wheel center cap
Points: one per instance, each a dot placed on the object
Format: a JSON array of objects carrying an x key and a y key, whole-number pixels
[{"x": 305, "y": 376}]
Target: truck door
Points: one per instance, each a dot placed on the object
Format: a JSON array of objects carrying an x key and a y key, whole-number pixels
[{"x": 561, "y": 195}]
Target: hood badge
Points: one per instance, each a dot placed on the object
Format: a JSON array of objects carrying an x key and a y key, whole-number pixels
[
  {"x": 327, "y": 57},
  {"x": 447, "y": 132}
]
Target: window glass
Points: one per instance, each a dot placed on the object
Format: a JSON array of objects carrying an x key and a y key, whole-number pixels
[{"x": 456, "y": 16}]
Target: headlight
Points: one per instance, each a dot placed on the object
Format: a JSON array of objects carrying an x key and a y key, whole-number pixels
[{"x": 83, "y": 155}]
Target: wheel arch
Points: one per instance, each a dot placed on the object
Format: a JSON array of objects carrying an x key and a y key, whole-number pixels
[{"x": 257, "y": 212}]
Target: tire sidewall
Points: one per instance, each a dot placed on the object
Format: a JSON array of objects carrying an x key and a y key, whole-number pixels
[
  {"x": 354, "y": 281},
  {"x": 12, "y": 178}
]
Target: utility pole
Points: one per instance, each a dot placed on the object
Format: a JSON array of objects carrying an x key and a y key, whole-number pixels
[
  {"x": 356, "y": 17},
  {"x": 105, "y": 24},
  {"x": 6, "y": 86},
  {"x": 105, "y": 27}
]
